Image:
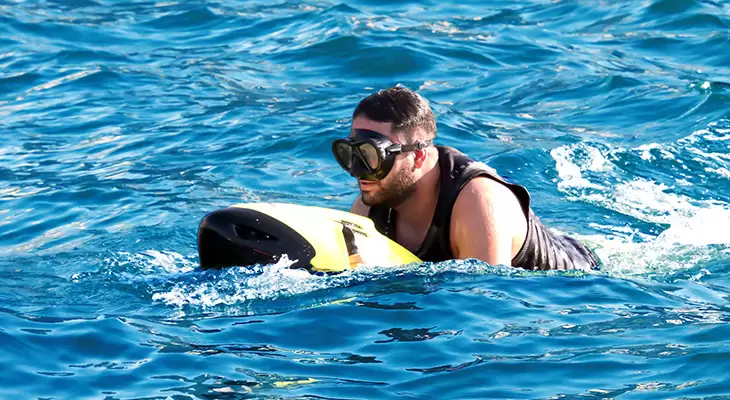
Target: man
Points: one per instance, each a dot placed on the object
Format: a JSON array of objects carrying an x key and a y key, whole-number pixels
[{"x": 437, "y": 202}]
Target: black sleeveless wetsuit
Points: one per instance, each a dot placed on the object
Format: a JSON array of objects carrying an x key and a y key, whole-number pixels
[{"x": 542, "y": 249}]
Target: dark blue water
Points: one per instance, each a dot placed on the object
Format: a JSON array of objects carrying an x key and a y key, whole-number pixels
[{"x": 124, "y": 122}]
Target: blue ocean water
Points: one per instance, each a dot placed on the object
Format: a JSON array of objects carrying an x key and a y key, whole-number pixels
[{"x": 123, "y": 122}]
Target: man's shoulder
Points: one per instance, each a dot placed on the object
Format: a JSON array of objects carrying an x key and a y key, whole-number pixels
[
  {"x": 487, "y": 200},
  {"x": 462, "y": 164},
  {"x": 486, "y": 189},
  {"x": 488, "y": 213}
]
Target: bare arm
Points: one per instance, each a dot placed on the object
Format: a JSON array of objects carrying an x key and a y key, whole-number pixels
[
  {"x": 487, "y": 223},
  {"x": 358, "y": 207}
]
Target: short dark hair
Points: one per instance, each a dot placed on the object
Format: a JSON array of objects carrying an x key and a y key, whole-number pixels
[{"x": 402, "y": 107}]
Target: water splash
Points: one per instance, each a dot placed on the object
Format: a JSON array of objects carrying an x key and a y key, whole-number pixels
[
  {"x": 176, "y": 281},
  {"x": 661, "y": 195}
]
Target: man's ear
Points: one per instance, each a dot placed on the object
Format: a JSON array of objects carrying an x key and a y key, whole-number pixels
[{"x": 420, "y": 157}]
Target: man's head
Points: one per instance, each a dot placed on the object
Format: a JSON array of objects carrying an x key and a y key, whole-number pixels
[
  {"x": 403, "y": 117},
  {"x": 407, "y": 113}
]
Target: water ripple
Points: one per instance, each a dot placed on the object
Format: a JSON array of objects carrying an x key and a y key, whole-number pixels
[{"x": 124, "y": 122}]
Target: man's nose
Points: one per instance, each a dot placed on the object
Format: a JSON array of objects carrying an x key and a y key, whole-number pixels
[{"x": 359, "y": 168}]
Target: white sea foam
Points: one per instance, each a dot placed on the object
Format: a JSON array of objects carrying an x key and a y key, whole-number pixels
[
  {"x": 237, "y": 287},
  {"x": 697, "y": 229}
]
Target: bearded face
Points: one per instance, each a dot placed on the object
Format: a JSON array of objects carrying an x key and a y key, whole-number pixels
[{"x": 392, "y": 190}]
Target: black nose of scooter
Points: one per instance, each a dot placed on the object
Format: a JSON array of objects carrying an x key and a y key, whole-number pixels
[{"x": 238, "y": 237}]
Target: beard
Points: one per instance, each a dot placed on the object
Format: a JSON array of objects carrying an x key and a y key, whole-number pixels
[{"x": 392, "y": 193}]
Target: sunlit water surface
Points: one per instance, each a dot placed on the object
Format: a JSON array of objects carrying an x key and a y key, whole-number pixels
[{"x": 124, "y": 122}]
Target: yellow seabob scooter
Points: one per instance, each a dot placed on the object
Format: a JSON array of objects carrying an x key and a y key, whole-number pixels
[{"x": 315, "y": 238}]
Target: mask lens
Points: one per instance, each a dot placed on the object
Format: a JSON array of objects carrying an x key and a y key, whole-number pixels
[
  {"x": 343, "y": 153},
  {"x": 371, "y": 155}
]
